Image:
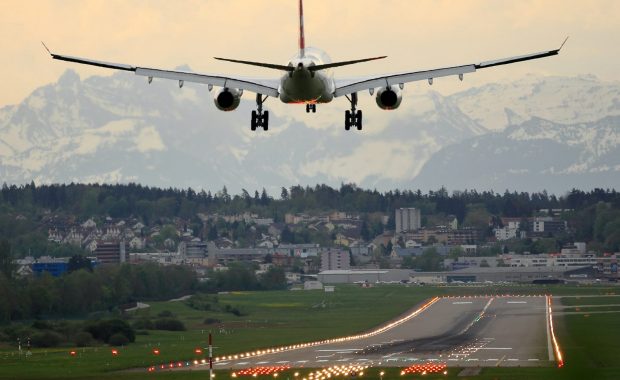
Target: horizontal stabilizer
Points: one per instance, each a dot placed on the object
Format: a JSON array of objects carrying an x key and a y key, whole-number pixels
[
  {"x": 291, "y": 68},
  {"x": 260, "y": 64},
  {"x": 343, "y": 63}
]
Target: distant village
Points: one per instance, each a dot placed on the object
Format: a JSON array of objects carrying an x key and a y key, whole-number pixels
[{"x": 345, "y": 253}]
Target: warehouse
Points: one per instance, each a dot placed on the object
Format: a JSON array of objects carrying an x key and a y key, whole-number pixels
[
  {"x": 505, "y": 274},
  {"x": 359, "y": 276}
]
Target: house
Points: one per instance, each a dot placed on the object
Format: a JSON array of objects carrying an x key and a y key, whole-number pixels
[
  {"x": 292, "y": 277},
  {"x": 265, "y": 244},
  {"x": 89, "y": 224},
  {"x": 276, "y": 229},
  {"x": 313, "y": 285}
]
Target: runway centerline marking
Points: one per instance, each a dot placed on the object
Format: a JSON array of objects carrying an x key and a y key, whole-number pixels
[
  {"x": 495, "y": 348},
  {"x": 462, "y": 303},
  {"x": 516, "y": 302}
]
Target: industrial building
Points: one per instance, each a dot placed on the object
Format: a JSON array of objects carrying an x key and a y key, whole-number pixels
[{"x": 527, "y": 275}]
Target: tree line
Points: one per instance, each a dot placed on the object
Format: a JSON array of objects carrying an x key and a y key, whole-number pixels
[{"x": 82, "y": 292}]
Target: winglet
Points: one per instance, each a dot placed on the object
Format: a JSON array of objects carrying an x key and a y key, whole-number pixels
[
  {"x": 561, "y": 46},
  {"x": 45, "y": 46}
]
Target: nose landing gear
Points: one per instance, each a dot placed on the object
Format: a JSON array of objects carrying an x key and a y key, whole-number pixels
[{"x": 310, "y": 108}]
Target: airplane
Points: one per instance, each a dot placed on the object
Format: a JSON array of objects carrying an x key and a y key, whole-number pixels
[{"x": 307, "y": 79}]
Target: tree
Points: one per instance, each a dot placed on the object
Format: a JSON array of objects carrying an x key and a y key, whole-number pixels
[
  {"x": 7, "y": 266},
  {"x": 212, "y": 234},
  {"x": 77, "y": 262},
  {"x": 284, "y": 194},
  {"x": 273, "y": 279},
  {"x": 429, "y": 260}
]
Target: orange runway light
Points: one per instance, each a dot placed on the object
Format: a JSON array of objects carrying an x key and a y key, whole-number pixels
[
  {"x": 424, "y": 369},
  {"x": 72, "y": 353},
  {"x": 114, "y": 352},
  {"x": 155, "y": 351},
  {"x": 262, "y": 371},
  {"x": 198, "y": 351}
]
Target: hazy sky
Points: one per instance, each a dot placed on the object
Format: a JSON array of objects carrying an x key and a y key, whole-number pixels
[{"x": 414, "y": 34}]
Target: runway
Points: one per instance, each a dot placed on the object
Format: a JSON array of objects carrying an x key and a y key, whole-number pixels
[{"x": 456, "y": 331}]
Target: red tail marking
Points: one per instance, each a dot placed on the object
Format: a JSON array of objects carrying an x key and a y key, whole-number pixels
[{"x": 302, "y": 40}]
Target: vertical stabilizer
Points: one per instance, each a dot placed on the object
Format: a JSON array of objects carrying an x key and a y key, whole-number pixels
[{"x": 302, "y": 39}]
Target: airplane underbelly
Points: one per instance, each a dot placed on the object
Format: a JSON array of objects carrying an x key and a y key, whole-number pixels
[{"x": 305, "y": 90}]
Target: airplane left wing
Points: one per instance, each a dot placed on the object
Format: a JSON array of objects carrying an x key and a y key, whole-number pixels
[
  {"x": 349, "y": 87},
  {"x": 252, "y": 85}
]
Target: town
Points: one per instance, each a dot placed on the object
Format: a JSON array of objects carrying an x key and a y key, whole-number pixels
[{"x": 422, "y": 244}]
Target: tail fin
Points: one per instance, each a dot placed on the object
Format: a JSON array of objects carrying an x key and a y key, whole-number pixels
[{"x": 302, "y": 40}]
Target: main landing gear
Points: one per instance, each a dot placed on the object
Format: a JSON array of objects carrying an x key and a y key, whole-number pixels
[
  {"x": 353, "y": 118},
  {"x": 260, "y": 119},
  {"x": 310, "y": 108}
]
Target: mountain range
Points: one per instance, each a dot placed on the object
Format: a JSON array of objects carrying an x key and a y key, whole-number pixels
[{"x": 552, "y": 133}]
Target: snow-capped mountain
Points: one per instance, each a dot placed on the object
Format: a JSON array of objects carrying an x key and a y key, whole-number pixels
[
  {"x": 119, "y": 129},
  {"x": 536, "y": 155},
  {"x": 563, "y": 100}
]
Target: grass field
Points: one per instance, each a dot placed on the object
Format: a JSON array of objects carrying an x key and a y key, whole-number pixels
[{"x": 277, "y": 318}]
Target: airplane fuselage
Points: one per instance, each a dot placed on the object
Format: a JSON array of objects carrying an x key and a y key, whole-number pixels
[{"x": 305, "y": 86}]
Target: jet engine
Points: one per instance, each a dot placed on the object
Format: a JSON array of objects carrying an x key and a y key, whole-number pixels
[
  {"x": 228, "y": 99},
  {"x": 389, "y": 98}
]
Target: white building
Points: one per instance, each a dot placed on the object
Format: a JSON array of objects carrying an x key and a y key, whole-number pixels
[
  {"x": 408, "y": 219},
  {"x": 505, "y": 233}
]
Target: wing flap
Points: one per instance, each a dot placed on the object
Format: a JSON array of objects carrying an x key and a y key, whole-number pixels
[
  {"x": 215, "y": 80},
  {"x": 391, "y": 80}
]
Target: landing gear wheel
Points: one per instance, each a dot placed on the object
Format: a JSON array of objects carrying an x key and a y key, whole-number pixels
[
  {"x": 310, "y": 108},
  {"x": 347, "y": 120},
  {"x": 265, "y": 120},
  {"x": 353, "y": 117},
  {"x": 314, "y": 108},
  {"x": 254, "y": 121},
  {"x": 260, "y": 119}
]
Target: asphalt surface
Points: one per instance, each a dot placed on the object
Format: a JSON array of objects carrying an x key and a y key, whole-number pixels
[{"x": 460, "y": 332}]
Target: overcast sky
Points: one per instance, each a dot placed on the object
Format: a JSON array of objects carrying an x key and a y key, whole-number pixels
[{"x": 414, "y": 34}]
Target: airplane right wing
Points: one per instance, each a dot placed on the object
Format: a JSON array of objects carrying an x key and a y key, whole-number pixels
[
  {"x": 348, "y": 87},
  {"x": 253, "y": 85}
]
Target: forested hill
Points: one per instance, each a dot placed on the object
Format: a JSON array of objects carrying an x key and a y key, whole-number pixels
[
  {"x": 26, "y": 210},
  {"x": 87, "y": 200}
]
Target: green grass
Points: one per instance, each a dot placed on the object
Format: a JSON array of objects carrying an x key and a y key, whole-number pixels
[
  {"x": 576, "y": 301},
  {"x": 278, "y": 318}
]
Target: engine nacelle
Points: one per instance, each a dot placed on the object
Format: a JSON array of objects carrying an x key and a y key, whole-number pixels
[
  {"x": 227, "y": 99},
  {"x": 389, "y": 98}
]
